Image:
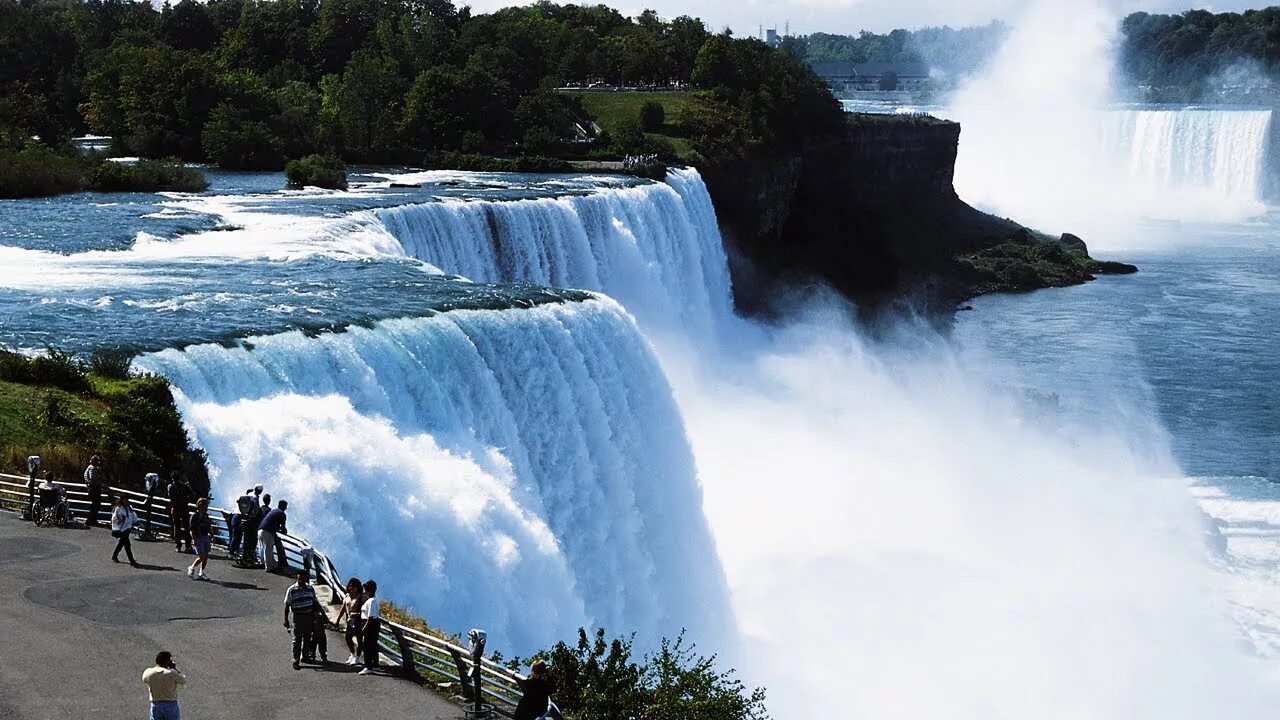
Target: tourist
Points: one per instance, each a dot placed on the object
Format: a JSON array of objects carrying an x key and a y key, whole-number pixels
[
  {"x": 537, "y": 689},
  {"x": 53, "y": 495},
  {"x": 351, "y": 612},
  {"x": 162, "y": 683},
  {"x": 301, "y": 600},
  {"x": 180, "y": 497},
  {"x": 202, "y": 536},
  {"x": 371, "y": 626},
  {"x": 123, "y": 518},
  {"x": 94, "y": 481},
  {"x": 245, "y": 505},
  {"x": 273, "y": 525}
]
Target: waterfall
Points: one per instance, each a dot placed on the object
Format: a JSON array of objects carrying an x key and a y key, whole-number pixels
[
  {"x": 655, "y": 247},
  {"x": 521, "y": 470},
  {"x": 1219, "y": 152}
]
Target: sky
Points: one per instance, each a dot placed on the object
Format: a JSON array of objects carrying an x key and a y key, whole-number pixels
[{"x": 850, "y": 16}]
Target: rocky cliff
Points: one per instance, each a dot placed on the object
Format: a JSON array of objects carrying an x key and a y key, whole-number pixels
[{"x": 871, "y": 211}]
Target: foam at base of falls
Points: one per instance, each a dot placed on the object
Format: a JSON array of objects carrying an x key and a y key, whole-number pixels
[
  {"x": 523, "y": 470},
  {"x": 655, "y": 247}
]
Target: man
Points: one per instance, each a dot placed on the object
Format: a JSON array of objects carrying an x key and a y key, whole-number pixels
[
  {"x": 301, "y": 600},
  {"x": 180, "y": 497},
  {"x": 94, "y": 480},
  {"x": 162, "y": 683},
  {"x": 245, "y": 505},
  {"x": 269, "y": 532},
  {"x": 53, "y": 495}
]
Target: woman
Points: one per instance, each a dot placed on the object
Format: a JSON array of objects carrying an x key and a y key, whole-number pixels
[
  {"x": 202, "y": 538},
  {"x": 537, "y": 690},
  {"x": 371, "y": 616},
  {"x": 351, "y": 611},
  {"x": 123, "y": 519}
]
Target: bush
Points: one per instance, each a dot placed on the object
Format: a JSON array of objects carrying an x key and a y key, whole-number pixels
[
  {"x": 37, "y": 171},
  {"x": 597, "y": 680},
  {"x": 326, "y": 171},
  {"x": 145, "y": 176},
  {"x": 111, "y": 364},
  {"x": 652, "y": 116}
]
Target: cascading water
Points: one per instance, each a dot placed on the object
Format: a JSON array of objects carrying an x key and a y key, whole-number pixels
[
  {"x": 1219, "y": 152},
  {"x": 523, "y": 470},
  {"x": 655, "y": 247}
]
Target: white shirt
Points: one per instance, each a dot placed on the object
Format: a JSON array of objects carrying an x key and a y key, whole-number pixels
[
  {"x": 122, "y": 519},
  {"x": 369, "y": 609}
]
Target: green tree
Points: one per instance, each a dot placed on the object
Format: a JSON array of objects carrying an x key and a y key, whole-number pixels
[{"x": 652, "y": 116}]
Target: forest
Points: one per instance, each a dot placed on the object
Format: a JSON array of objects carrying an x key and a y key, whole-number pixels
[
  {"x": 951, "y": 52},
  {"x": 251, "y": 84},
  {"x": 1202, "y": 56}
]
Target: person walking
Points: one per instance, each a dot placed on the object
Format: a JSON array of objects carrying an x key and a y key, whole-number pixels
[
  {"x": 180, "y": 497},
  {"x": 202, "y": 537},
  {"x": 123, "y": 518},
  {"x": 162, "y": 683},
  {"x": 273, "y": 525},
  {"x": 351, "y": 613},
  {"x": 371, "y": 626},
  {"x": 537, "y": 689},
  {"x": 301, "y": 600},
  {"x": 94, "y": 481}
]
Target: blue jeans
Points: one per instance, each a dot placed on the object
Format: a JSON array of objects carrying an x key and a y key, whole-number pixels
[{"x": 164, "y": 710}]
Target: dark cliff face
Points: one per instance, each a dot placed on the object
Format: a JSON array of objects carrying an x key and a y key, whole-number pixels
[{"x": 871, "y": 212}]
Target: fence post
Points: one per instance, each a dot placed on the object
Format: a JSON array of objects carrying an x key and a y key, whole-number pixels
[
  {"x": 408, "y": 663},
  {"x": 463, "y": 679}
]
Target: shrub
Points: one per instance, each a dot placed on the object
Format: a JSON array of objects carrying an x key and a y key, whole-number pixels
[
  {"x": 37, "y": 171},
  {"x": 145, "y": 176},
  {"x": 112, "y": 364},
  {"x": 652, "y": 116},
  {"x": 58, "y": 369},
  {"x": 599, "y": 679},
  {"x": 326, "y": 171}
]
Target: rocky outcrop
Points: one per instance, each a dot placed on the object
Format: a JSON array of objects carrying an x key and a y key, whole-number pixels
[{"x": 872, "y": 212}]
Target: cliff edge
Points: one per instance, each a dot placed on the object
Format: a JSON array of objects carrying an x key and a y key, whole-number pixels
[{"x": 873, "y": 212}]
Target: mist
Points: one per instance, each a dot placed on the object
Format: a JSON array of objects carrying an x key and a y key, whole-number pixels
[
  {"x": 1043, "y": 143},
  {"x": 903, "y": 537}
]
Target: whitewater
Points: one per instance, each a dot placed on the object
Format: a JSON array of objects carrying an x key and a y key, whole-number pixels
[{"x": 824, "y": 510}]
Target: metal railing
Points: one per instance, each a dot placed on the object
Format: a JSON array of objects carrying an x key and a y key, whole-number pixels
[{"x": 417, "y": 653}]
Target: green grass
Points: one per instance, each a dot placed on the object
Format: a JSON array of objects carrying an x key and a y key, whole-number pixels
[{"x": 611, "y": 109}]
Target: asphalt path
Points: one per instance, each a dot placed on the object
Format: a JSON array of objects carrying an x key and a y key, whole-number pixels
[{"x": 77, "y": 630}]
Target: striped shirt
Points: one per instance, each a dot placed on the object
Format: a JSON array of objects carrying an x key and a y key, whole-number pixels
[{"x": 301, "y": 599}]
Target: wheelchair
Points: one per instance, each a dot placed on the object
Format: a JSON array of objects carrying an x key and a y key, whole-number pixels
[{"x": 51, "y": 511}]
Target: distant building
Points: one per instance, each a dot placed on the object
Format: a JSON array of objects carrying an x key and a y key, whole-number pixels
[
  {"x": 771, "y": 37},
  {"x": 854, "y": 77}
]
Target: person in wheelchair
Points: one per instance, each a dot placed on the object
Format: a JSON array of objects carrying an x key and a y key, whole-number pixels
[{"x": 52, "y": 509}]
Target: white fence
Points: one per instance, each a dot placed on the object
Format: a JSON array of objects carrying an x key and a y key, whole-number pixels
[{"x": 416, "y": 652}]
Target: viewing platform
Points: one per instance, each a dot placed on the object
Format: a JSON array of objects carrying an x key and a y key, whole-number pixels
[{"x": 80, "y": 629}]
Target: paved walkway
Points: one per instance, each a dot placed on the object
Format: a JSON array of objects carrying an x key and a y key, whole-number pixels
[{"x": 78, "y": 630}]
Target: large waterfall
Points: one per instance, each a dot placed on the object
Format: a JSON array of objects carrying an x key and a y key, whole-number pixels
[
  {"x": 1220, "y": 152},
  {"x": 521, "y": 470},
  {"x": 655, "y": 247}
]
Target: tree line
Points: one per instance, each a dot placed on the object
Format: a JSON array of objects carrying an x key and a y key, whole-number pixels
[
  {"x": 1200, "y": 55},
  {"x": 250, "y": 84},
  {"x": 953, "y": 52}
]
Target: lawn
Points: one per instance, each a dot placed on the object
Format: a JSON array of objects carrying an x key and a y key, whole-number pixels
[{"x": 610, "y": 109}]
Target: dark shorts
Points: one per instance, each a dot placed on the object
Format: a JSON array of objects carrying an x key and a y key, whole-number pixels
[{"x": 203, "y": 544}]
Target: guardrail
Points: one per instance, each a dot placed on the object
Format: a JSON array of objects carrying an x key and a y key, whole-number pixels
[{"x": 417, "y": 653}]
